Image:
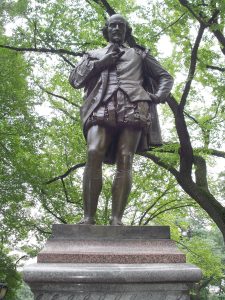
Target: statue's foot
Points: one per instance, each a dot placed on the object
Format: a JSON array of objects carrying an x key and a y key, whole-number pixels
[
  {"x": 86, "y": 221},
  {"x": 116, "y": 222}
]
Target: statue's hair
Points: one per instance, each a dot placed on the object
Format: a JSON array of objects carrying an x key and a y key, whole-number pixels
[{"x": 105, "y": 30}]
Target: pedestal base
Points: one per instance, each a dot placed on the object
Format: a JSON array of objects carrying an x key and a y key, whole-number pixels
[
  {"x": 108, "y": 263},
  {"x": 111, "y": 281}
]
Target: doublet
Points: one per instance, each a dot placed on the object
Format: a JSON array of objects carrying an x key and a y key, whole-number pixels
[
  {"x": 128, "y": 76},
  {"x": 137, "y": 74}
]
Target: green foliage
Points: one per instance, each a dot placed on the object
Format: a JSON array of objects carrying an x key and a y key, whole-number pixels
[
  {"x": 24, "y": 292},
  {"x": 8, "y": 272},
  {"x": 18, "y": 151},
  {"x": 202, "y": 253}
]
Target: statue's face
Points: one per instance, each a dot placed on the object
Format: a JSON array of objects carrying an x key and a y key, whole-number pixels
[{"x": 116, "y": 29}]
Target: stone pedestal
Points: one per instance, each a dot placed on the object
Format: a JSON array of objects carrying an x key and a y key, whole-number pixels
[{"x": 82, "y": 262}]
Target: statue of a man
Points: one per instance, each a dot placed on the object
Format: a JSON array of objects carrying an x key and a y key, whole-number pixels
[{"x": 122, "y": 86}]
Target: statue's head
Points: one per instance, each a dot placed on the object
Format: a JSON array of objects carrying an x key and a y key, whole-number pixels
[{"x": 116, "y": 29}]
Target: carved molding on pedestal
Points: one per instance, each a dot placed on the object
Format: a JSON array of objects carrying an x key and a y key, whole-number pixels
[{"x": 117, "y": 296}]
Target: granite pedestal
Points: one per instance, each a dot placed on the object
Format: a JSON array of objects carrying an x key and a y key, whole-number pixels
[{"x": 82, "y": 262}]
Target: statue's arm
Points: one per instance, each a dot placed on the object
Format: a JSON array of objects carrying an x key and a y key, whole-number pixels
[
  {"x": 91, "y": 66},
  {"x": 164, "y": 80},
  {"x": 83, "y": 71}
]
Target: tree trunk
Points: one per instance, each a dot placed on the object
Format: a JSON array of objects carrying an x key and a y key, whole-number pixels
[{"x": 206, "y": 200}]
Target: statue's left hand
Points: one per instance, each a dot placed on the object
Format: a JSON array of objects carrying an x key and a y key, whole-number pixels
[{"x": 155, "y": 99}]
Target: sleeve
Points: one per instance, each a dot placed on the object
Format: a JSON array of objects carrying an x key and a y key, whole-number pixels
[
  {"x": 164, "y": 80},
  {"x": 82, "y": 72}
]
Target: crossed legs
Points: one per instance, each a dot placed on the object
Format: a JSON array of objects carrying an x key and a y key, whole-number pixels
[{"x": 98, "y": 140}]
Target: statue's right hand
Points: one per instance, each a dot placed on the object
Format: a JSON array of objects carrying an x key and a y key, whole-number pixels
[{"x": 110, "y": 59}]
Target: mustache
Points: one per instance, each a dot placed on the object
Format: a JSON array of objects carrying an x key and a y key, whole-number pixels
[{"x": 116, "y": 32}]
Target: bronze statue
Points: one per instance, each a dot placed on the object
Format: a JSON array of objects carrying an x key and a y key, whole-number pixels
[{"x": 122, "y": 86}]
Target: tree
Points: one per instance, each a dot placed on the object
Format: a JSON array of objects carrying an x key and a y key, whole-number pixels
[{"x": 18, "y": 154}]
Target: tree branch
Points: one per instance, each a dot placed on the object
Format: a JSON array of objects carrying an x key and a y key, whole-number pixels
[
  {"x": 58, "y": 96},
  {"x": 215, "y": 68},
  {"x": 62, "y": 56},
  {"x": 201, "y": 172},
  {"x": 160, "y": 209},
  {"x": 53, "y": 214},
  {"x": 22, "y": 257},
  {"x": 66, "y": 60},
  {"x": 67, "y": 113},
  {"x": 168, "y": 209},
  {"x": 192, "y": 66},
  {"x": 216, "y": 112},
  {"x": 216, "y": 153},
  {"x": 66, "y": 173},
  {"x": 170, "y": 25},
  {"x": 208, "y": 151},
  {"x": 159, "y": 162},
  {"x": 220, "y": 37},
  {"x": 103, "y": 3},
  {"x": 65, "y": 191},
  {"x": 186, "y": 151},
  {"x": 153, "y": 204},
  {"x": 212, "y": 21},
  {"x": 191, "y": 117},
  {"x": 111, "y": 11},
  {"x": 186, "y": 4},
  {"x": 43, "y": 231},
  {"x": 42, "y": 50}
]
